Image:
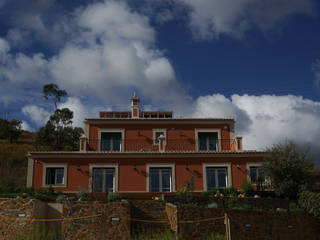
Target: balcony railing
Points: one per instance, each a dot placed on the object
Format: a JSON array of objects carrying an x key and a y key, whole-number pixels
[{"x": 169, "y": 145}]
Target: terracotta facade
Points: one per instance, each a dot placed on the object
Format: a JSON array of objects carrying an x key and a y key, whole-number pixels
[{"x": 136, "y": 149}]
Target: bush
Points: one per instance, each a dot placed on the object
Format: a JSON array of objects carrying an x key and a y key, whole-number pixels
[
  {"x": 82, "y": 195},
  {"x": 288, "y": 167},
  {"x": 248, "y": 189},
  {"x": 61, "y": 198},
  {"x": 310, "y": 202},
  {"x": 113, "y": 197}
]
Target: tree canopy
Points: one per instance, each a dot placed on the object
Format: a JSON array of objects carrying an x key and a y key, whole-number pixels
[
  {"x": 10, "y": 129},
  {"x": 58, "y": 133},
  {"x": 288, "y": 167},
  {"x": 53, "y": 92}
]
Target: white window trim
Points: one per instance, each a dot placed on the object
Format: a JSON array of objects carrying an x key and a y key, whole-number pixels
[
  {"x": 98, "y": 165},
  {"x": 216, "y": 165},
  {"x": 162, "y": 165},
  {"x": 112, "y": 130},
  {"x": 266, "y": 182},
  {"x": 216, "y": 130},
  {"x": 154, "y": 130},
  {"x": 55, "y": 165}
]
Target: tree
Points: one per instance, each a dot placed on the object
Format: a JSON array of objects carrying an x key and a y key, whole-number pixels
[
  {"x": 53, "y": 92},
  {"x": 288, "y": 167},
  {"x": 10, "y": 129},
  {"x": 58, "y": 133}
]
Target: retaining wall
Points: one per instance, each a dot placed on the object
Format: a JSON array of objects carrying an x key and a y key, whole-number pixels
[
  {"x": 17, "y": 215},
  {"x": 245, "y": 224}
]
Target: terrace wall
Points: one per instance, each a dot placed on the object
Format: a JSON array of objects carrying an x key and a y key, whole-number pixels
[{"x": 244, "y": 224}]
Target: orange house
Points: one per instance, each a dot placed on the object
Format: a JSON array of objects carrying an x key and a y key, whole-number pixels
[{"x": 139, "y": 151}]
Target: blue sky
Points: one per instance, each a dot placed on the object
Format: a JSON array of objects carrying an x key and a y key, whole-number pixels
[{"x": 257, "y": 61}]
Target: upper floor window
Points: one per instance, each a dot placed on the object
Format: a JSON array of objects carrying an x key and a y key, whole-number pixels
[
  {"x": 208, "y": 141},
  {"x": 111, "y": 140},
  {"x": 157, "y": 133}
]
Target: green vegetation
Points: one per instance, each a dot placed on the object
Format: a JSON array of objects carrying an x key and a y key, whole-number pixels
[
  {"x": 10, "y": 130},
  {"x": 58, "y": 133},
  {"x": 113, "y": 197},
  {"x": 288, "y": 167},
  {"x": 248, "y": 189},
  {"x": 310, "y": 202},
  {"x": 13, "y": 160}
]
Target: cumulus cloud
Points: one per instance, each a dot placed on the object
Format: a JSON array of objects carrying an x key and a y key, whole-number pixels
[
  {"x": 269, "y": 119},
  {"x": 211, "y": 18},
  {"x": 37, "y": 114},
  {"x": 81, "y": 111},
  {"x": 26, "y": 127},
  {"x": 36, "y": 21},
  {"x": 112, "y": 55}
]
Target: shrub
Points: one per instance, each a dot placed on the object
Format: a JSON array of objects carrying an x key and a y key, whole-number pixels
[
  {"x": 50, "y": 191},
  {"x": 113, "y": 197},
  {"x": 248, "y": 189},
  {"x": 61, "y": 198},
  {"x": 82, "y": 195},
  {"x": 310, "y": 202},
  {"x": 288, "y": 167},
  {"x": 231, "y": 191}
]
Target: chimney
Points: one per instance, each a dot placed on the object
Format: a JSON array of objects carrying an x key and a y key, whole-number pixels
[
  {"x": 135, "y": 111},
  {"x": 239, "y": 143}
]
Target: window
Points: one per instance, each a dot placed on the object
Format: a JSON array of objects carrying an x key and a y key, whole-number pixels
[
  {"x": 216, "y": 177},
  {"x": 160, "y": 180},
  {"x": 157, "y": 133},
  {"x": 54, "y": 176},
  {"x": 111, "y": 139},
  {"x": 256, "y": 175},
  {"x": 208, "y": 141},
  {"x": 103, "y": 179}
]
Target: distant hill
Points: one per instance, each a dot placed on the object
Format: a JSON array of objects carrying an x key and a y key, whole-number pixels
[{"x": 13, "y": 160}]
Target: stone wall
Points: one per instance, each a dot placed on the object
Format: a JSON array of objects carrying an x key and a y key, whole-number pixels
[
  {"x": 16, "y": 219},
  {"x": 13, "y": 214},
  {"x": 247, "y": 224},
  {"x": 113, "y": 224},
  {"x": 152, "y": 213}
]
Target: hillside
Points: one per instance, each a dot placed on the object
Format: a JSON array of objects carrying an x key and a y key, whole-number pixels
[{"x": 13, "y": 160}]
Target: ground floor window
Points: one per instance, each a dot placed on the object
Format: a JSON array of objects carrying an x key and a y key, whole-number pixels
[
  {"x": 103, "y": 179},
  {"x": 256, "y": 175},
  {"x": 160, "y": 179},
  {"x": 54, "y": 176},
  {"x": 217, "y": 177}
]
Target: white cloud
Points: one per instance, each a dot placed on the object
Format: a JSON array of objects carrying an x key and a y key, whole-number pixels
[
  {"x": 269, "y": 119},
  {"x": 111, "y": 55},
  {"x": 25, "y": 126},
  {"x": 211, "y": 18},
  {"x": 36, "y": 21},
  {"x": 37, "y": 114}
]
